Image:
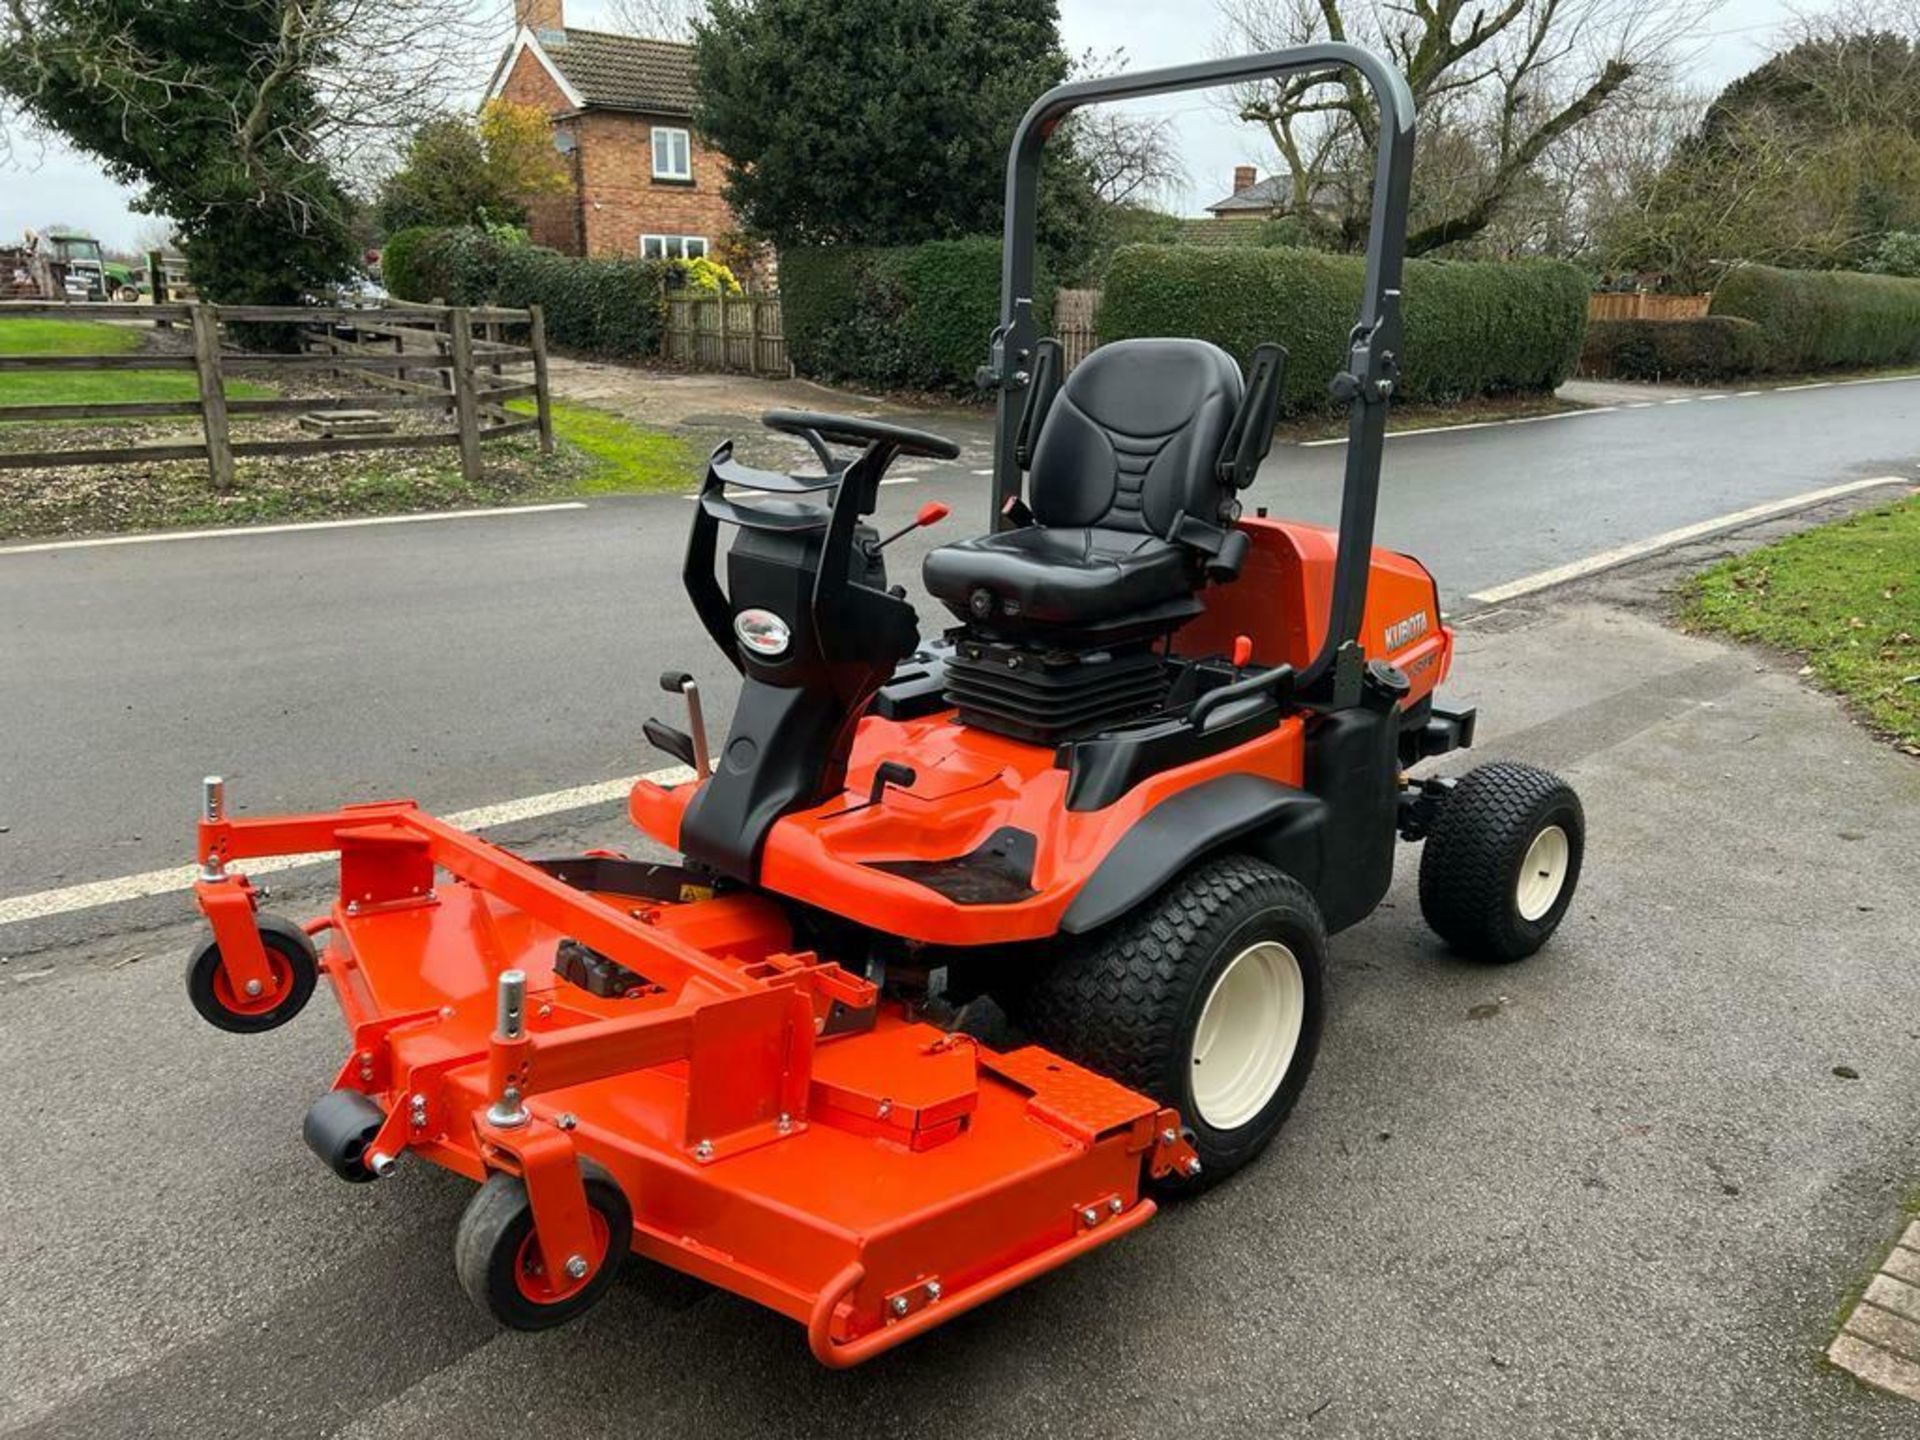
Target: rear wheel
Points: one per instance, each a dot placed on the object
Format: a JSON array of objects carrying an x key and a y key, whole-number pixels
[
  {"x": 1209, "y": 998},
  {"x": 1501, "y": 861}
]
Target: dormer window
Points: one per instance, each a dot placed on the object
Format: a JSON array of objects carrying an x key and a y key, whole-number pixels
[{"x": 672, "y": 154}]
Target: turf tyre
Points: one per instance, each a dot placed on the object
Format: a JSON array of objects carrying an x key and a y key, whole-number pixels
[
  {"x": 1128, "y": 1000},
  {"x": 1473, "y": 891}
]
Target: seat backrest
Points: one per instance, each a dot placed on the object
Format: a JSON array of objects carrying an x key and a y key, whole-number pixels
[{"x": 1134, "y": 438}]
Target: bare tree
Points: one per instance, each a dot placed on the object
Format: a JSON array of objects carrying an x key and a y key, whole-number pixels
[
  {"x": 1501, "y": 83},
  {"x": 658, "y": 19},
  {"x": 1133, "y": 159}
]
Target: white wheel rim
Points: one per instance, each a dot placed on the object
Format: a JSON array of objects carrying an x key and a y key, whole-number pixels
[
  {"x": 1543, "y": 874},
  {"x": 1248, "y": 1032}
]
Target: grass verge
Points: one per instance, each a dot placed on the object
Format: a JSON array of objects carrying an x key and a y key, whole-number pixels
[
  {"x": 1845, "y": 597},
  {"x": 621, "y": 457}
]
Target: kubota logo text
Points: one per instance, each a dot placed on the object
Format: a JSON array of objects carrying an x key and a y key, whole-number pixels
[{"x": 1405, "y": 632}]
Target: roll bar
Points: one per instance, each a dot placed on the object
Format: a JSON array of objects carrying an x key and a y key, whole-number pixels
[{"x": 1366, "y": 383}]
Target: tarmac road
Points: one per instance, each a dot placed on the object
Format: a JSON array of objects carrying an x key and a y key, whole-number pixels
[
  {"x": 471, "y": 661},
  {"x": 1616, "y": 1191}
]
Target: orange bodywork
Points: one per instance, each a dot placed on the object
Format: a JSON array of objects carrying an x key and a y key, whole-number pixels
[
  {"x": 970, "y": 783},
  {"x": 869, "y": 1177}
]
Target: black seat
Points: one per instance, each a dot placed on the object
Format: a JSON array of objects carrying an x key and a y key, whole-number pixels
[{"x": 1129, "y": 451}]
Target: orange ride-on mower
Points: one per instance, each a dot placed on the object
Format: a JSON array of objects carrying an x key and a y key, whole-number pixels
[{"x": 1162, "y": 753}]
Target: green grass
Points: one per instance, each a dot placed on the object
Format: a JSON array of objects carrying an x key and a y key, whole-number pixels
[
  {"x": 621, "y": 456},
  {"x": 22, "y": 336},
  {"x": 1845, "y": 596}
]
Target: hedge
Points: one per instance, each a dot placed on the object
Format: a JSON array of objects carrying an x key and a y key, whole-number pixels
[
  {"x": 914, "y": 317},
  {"x": 1472, "y": 328},
  {"x": 1825, "y": 319},
  {"x": 597, "y": 306},
  {"x": 1713, "y": 347}
]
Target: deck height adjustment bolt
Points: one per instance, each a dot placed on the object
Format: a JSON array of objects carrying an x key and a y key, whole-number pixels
[
  {"x": 703, "y": 1151},
  {"x": 900, "y": 1306},
  {"x": 566, "y": 1120},
  {"x": 576, "y": 1267},
  {"x": 1193, "y": 1166},
  {"x": 933, "y": 1289},
  {"x": 784, "y": 1124},
  {"x": 1169, "y": 1135},
  {"x": 254, "y": 987},
  {"x": 417, "y": 1111},
  {"x": 1116, "y": 1205},
  {"x": 1090, "y": 1216}
]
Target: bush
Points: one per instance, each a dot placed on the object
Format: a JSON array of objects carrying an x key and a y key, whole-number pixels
[
  {"x": 914, "y": 317},
  {"x": 1826, "y": 319},
  {"x": 399, "y": 261},
  {"x": 1713, "y": 347},
  {"x": 597, "y": 306},
  {"x": 1471, "y": 328},
  {"x": 1899, "y": 254}
]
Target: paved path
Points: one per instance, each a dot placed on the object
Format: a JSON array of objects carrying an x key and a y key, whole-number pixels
[
  {"x": 471, "y": 661},
  {"x": 1617, "y": 1191}
]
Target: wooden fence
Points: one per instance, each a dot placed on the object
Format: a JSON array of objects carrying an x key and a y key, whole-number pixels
[
  {"x": 741, "y": 333},
  {"x": 427, "y": 357},
  {"x": 1642, "y": 305}
]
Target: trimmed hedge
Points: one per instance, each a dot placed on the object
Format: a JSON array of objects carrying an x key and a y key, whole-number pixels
[
  {"x": 913, "y": 317},
  {"x": 597, "y": 306},
  {"x": 1825, "y": 319},
  {"x": 1472, "y": 328},
  {"x": 1713, "y": 347}
]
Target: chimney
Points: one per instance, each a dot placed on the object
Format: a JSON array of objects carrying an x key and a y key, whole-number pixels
[
  {"x": 544, "y": 17},
  {"x": 1243, "y": 175}
]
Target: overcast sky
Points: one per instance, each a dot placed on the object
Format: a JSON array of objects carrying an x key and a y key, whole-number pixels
[{"x": 50, "y": 183}]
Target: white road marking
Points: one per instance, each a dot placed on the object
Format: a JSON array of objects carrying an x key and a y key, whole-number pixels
[
  {"x": 241, "y": 532},
  {"x": 1607, "y": 559},
  {"x": 983, "y": 472},
  {"x": 1715, "y": 397},
  {"x": 1809, "y": 385},
  {"x": 38, "y": 906},
  {"x": 1640, "y": 404},
  {"x": 1473, "y": 425},
  {"x": 1749, "y": 394},
  {"x": 1683, "y": 400}
]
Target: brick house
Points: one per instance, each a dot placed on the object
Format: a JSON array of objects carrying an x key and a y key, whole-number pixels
[{"x": 622, "y": 109}]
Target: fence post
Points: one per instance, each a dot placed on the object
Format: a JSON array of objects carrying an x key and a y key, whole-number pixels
[
  {"x": 157, "y": 284},
  {"x": 213, "y": 395},
  {"x": 466, "y": 412},
  {"x": 542, "y": 401},
  {"x": 754, "y": 367}
]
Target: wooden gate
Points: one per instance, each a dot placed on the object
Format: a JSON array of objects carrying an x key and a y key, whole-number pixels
[
  {"x": 741, "y": 333},
  {"x": 1076, "y": 323}
]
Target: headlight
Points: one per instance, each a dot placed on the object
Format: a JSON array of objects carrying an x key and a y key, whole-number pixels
[{"x": 763, "y": 632}]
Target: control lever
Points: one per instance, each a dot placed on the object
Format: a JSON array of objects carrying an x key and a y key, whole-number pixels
[
  {"x": 931, "y": 513},
  {"x": 890, "y": 772},
  {"x": 679, "y": 682}
]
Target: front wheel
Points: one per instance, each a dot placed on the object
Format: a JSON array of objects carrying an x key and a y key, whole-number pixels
[
  {"x": 1209, "y": 998},
  {"x": 292, "y": 968},
  {"x": 497, "y": 1254},
  {"x": 1501, "y": 861}
]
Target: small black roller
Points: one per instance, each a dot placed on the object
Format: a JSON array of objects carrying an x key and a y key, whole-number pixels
[{"x": 339, "y": 1128}]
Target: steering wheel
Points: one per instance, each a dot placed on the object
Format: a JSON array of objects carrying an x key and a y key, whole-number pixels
[{"x": 852, "y": 430}]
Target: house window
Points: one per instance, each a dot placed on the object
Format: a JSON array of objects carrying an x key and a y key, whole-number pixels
[
  {"x": 672, "y": 154},
  {"x": 672, "y": 247}
]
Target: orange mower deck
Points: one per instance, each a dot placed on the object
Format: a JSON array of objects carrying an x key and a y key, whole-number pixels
[{"x": 731, "y": 1099}]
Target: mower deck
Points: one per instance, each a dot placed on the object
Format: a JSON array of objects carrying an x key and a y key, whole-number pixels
[{"x": 779, "y": 1131}]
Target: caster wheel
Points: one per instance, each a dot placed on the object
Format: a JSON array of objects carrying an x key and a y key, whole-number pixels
[
  {"x": 294, "y": 964},
  {"x": 500, "y": 1263},
  {"x": 1501, "y": 861},
  {"x": 339, "y": 1127},
  {"x": 1209, "y": 998}
]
